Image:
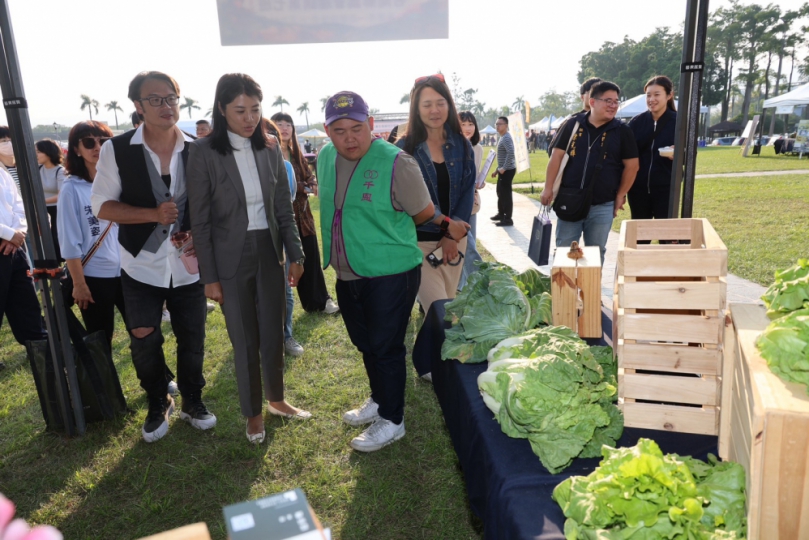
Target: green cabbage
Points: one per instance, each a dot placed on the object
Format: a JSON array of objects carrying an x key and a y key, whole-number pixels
[
  {"x": 789, "y": 292},
  {"x": 784, "y": 344},
  {"x": 549, "y": 387},
  {"x": 495, "y": 304},
  {"x": 638, "y": 493}
]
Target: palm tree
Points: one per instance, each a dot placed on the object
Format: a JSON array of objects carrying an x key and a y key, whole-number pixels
[
  {"x": 90, "y": 103},
  {"x": 478, "y": 109},
  {"x": 209, "y": 112},
  {"x": 190, "y": 104},
  {"x": 304, "y": 110},
  {"x": 323, "y": 102},
  {"x": 405, "y": 98},
  {"x": 279, "y": 101},
  {"x": 518, "y": 105},
  {"x": 114, "y": 107}
]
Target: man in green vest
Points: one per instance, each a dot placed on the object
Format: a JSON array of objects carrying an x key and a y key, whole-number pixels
[{"x": 372, "y": 196}]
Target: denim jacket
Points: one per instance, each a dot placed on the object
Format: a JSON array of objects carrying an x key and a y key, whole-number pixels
[{"x": 461, "y": 166}]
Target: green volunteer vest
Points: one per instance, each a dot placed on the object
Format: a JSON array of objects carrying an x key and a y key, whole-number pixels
[{"x": 378, "y": 239}]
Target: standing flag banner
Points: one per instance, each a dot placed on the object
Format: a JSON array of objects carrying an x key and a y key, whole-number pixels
[
  {"x": 517, "y": 129},
  {"x": 527, "y": 112}
]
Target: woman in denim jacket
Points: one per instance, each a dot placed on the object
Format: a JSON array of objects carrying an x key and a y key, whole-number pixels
[{"x": 447, "y": 163}]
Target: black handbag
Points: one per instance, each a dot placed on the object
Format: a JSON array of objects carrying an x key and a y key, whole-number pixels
[{"x": 539, "y": 248}]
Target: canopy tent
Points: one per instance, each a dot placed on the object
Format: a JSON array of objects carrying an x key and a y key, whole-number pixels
[
  {"x": 632, "y": 107},
  {"x": 542, "y": 125},
  {"x": 313, "y": 133},
  {"x": 799, "y": 96},
  {"x": 488, "y": 130},
  {"x": 558, "y": 122}
]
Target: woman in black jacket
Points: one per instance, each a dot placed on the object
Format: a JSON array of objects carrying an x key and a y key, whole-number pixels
[{"x": 654, "y": 129}]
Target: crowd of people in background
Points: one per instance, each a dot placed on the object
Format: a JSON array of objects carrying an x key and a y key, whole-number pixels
[{"x": 156, "y": 220}]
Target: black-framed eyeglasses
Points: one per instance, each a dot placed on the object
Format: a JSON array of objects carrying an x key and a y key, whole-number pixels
[
  {"x": 157, "y": 101},
  {"x": 90, "y": 142},
  {"x": 609, "y": 102}
]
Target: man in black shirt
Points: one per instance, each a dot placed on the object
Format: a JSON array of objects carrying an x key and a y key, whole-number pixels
[{"x": 603, "y": 160}]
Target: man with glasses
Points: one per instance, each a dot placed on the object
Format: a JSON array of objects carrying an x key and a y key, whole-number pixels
[
  {"x": 141, "y": 185},
  {"x": 603, "y": 162},
  {"x": 506, "y": 168}
]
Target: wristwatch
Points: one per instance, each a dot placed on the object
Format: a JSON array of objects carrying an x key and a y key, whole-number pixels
[
  {"x": 445, "y": 226},
  {"x": 300, "y": 261}
]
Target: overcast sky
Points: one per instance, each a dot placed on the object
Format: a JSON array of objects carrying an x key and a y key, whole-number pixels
[{"x": 504, "y": 48}]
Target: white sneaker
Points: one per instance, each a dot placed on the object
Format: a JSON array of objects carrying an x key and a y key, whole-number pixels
[
  {"x": 210, "y": 306},
  {"x": 368, "y": 412},
  {"x": 166, "y": 316},
  {"x": 173, "y": 390},
  {"x": 292, "y": 347},
  {"x": 427, "y": 377},
  {"x": 331, "y": 308},
  {"x": 380, "y": 434}
]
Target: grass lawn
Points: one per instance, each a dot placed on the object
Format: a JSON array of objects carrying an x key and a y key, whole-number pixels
[
  {"x": 110, "y": 484},
  {"x": 710, "y": 160},
  {"x": 762, "y": 219}
]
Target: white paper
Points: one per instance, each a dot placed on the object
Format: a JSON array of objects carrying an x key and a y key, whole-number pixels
[{"x": 481, "y": 179}]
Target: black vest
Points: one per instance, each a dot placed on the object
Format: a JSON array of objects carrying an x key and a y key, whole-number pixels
[{"x": 136, "y": 190}]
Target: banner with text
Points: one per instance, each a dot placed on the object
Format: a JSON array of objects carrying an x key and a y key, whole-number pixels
[
  {"x": 271, "y": 22},
  {"x": 517, "y": 129}
]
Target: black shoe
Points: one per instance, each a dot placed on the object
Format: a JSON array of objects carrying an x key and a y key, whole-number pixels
[
  {"x": 2, "y": 366},
  {"x": 505, "y": 223},
  {"x": 157, "y": 419},
  {"x": 196, "y": 413},
  {"x": 496, "y": 217}
]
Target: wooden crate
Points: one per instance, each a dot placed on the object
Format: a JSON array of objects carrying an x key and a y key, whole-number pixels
[
  {"x": 197, "y": 531},
  {"x": 668, "y": 324},
  {"x": 569, "y": 277},
  {"x": 765, "y": 427}
]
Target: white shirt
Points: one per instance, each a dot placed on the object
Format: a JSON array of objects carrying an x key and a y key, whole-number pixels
[
  {"x": 12, "y": 212},
  {"x": 163, "y": 268},
  {"x": 246, "y": 162}
]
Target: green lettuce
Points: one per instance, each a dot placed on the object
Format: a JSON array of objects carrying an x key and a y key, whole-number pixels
[
  {"x": 789, "y": 292},
  {"x": 639, "y": 493},
  {"x": 784, "y": 344},
  {"x": 495, "y": 304},
  {"x": 547, "y": 386}
]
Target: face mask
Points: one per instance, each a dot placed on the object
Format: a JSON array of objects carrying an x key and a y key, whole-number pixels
[{"x": 6, "y": 149}]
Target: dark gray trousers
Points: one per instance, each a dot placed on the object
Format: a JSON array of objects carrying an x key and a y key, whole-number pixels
[{"x": 255, "y": 309}]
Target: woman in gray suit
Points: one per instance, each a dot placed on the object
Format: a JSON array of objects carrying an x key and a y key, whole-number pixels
[{"x": 241, "y": 220}]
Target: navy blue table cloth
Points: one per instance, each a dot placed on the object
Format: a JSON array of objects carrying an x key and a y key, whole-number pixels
[{"x": 508, "y": 487}]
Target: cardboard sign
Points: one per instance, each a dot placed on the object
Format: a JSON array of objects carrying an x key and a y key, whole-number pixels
[{"x": 271, "y": 22}]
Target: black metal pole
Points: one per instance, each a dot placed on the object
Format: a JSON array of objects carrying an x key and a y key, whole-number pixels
[
  {"x": 39, "y": 233},
  {"x": 686, "y": 131}
]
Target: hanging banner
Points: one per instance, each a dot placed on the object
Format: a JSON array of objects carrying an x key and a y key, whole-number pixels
[
  {"x": 272, "y": 22},
  {"x": 517, "y": 129},
  {"x": 784, "y": 109}
]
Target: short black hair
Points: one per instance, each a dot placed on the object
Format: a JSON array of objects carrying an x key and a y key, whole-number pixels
[
  {"x": 587, "y": 85},
  {"x": 50, "y": 149},
  {"x": 136, "y": 119},
  {"x": 503, "y": 118},
  {"x": 5, "y": 132},
  {"x": 143, "y": 76},
  {"x": 203, "y": 121},
  {"x": 466, "y": 116},
  {"x": 600, "y": 87}
]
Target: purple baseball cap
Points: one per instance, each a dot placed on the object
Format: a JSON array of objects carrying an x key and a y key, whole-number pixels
[{"x": 346, "y": 104}]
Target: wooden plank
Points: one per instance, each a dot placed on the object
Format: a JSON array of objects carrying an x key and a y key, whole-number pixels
[
  {"x": 672, "y": 294},
  {"x": 589, "y": 282},
  {"x": 728, "y": 364},
  {"x": 564, "y": 297},
  {"x": 629, "y": 234},
  {"x": 591, "y": 258},
  {"x": 677, "y": 328},
  {"x": 673, "y": 262},
  {"x": 658, "y": 229},
  {"x": 701, "y": 421},
  {"x": 697, "y": 236},
  {"x": 671, "y": 358},
  {"x": 669, "y": 388},
  {"x": 197, "y": 531}
]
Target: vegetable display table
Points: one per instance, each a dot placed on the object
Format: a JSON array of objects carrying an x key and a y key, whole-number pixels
[{"x": 507, "y": 486}]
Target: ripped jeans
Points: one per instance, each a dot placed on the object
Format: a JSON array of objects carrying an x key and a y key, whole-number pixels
[{"x": 144, "y": 306}]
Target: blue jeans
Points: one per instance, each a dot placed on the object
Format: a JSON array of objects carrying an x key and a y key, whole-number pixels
[
  {"x": 290, "y": 305},
  {"x": 596, "y": 228},
  {"x": 376, "y": 313},
  {"x": 471, "y": 254}
]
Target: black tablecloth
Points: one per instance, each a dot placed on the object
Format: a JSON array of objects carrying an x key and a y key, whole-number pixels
[{"x": 508, "y": 487}]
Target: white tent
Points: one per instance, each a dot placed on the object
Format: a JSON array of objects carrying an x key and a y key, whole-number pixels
[
  {"x": 542, "y": 125},
  {"x": 488, "y": 130},
  {"x": 558, "y": 122},
  {"x": 799, "y": 96},
  {"x": 632, "y": 107},
  {"x": 313, "y": 133}
]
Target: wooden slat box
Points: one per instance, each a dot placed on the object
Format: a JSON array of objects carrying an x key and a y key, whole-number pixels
[
  {"x": 669, "y": 307},
  {"x": 568, "y": 278},
  {"x": 765, "y": 427}
]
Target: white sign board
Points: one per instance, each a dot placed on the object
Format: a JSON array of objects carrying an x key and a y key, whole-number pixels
[
  {"x": 784, "y": 109},
  {"x": 271, "y": 22},
  {"x": 484, "y": 171},
  {"x": 747, "y": 129},
  {"x": 750, "y": 133},
  {"x": 517, "y": 129}
]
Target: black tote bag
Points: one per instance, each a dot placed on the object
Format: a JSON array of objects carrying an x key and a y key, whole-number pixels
[{"x": 539, "y": 248}]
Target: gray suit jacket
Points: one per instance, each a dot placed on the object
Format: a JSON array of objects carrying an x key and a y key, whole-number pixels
[{"x": 219, "y": 211}]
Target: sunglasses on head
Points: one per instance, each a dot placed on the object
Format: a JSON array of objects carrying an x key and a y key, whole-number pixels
[
  {"x": 90, "y": 142},
  {"x": 439, "y": 76}
]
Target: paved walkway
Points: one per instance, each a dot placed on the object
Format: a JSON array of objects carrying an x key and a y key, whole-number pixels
[
  {"x": 538, "y": 186},
  {"x": 509, "y": 245}
]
